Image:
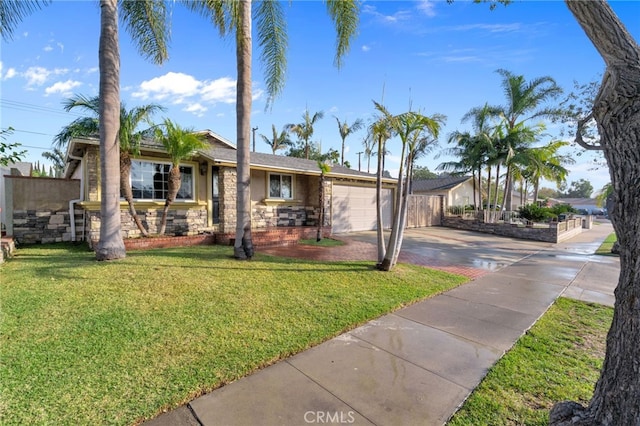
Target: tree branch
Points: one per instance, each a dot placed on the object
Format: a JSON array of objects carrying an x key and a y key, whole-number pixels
[{"x": 579, "y": 139}]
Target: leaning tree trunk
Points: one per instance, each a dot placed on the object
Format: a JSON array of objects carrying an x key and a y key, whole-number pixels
[
  {"x": 243, "y": 247},
  {"x": 172, "y": 191},
  {"x": 380, "y": 222},
  {"x": 616, "y": 110},
  {"x": 125, "y": 185},
  {"x": 110, "y": 244},
  {"x": 387, "y": 262}
]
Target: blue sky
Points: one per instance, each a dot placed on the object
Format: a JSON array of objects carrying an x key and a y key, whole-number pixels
[{"x": 429, "y": 56}]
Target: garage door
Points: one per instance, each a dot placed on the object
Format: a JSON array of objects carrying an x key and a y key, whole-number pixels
[{"x": 354, "y": 208}]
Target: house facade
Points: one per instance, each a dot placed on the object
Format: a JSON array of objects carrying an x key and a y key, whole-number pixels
[
  {"x": 285, "y": 192},
  {"x": 457, "y": 191}
]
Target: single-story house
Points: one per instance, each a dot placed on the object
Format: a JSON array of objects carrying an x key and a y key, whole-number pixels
[
  {"x": 456, "y": 190},
  {"x": 284, "y": 192}
]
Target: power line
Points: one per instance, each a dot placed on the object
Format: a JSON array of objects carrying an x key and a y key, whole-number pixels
[{"x": 25, "y": 107}]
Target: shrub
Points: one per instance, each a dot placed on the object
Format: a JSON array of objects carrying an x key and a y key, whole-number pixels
[
  {"x": 534, "y": 213},
  {"x": 562, "y": 208}
]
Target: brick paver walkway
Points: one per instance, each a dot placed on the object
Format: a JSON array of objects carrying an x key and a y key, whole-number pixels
[{"x": 353, "y": 250}]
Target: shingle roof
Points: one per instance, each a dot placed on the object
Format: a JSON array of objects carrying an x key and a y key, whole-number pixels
[
  {"x": 438, "y": 184},
  {"x": 222, "y": 150},
  {"x": 281, "y": 162}
]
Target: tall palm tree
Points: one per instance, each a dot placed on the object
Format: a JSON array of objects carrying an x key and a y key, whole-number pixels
[
  {"x": 277, "y": 141},
  {"x": 346, "y": 130},
  {"x": 147, "y": 25},
  {"x": 525, "y": 101},
  {"x": 235, "y": 16},
  {"x": 129, "y": 137},
  {"x": 304, "y": 130},
  {"x": 381, "y": 130},
  {"x": 180, "y": 144}
]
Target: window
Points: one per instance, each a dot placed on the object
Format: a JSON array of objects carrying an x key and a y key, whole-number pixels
[
  {"x": 280, "y": 186},
  {"x": 150, "y": 181}
]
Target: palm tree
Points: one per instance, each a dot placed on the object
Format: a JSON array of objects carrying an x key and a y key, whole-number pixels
[
  {"x": 277, "y": 141},
  {"x": 416, "y": 132},
  {"x": 324, "y": 169},
  {"x": 57, "y": 157},
  {"x": 381, "y": 130},
  {"x": 146, "y": 22},
  {"x": 229, "y": 16},
  {"x": 368, "y": 143},
  {"x": 304, "y": 130},
  {"x": 180, "y": 144},
  {"x": 345, "y": 130},
  {"x": 524, "y": 102},
  {"x": 129, "y": 138},
  {"x": 545, "y": 162}
]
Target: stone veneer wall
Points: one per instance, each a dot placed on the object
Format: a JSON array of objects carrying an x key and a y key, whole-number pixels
[
  {"x": 43, "y": 226},
  {"x": 191, "y": 221},
  {"x": 227, "y": 179},
  {"x": 554, "y": 233}
]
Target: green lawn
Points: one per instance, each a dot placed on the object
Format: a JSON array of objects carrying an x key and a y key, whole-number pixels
[
  {"x": 558, "y": 359},
  {"x": 607, "y": 244},
  {"x": 86, "y": 342}
]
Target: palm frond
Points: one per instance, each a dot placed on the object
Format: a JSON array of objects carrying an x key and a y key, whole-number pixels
[
  {"x": 345, "y": 15},
  {"x": 147, "y": 24},
  {"x": 273, "y": 40}
]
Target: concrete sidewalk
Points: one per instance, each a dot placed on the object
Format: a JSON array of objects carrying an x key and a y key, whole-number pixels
[{"x": 417, "y": 365}]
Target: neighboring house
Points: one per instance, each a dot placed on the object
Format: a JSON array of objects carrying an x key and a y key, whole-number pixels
[
  {"x": 284, "y": 191},
  {"x": 456, "y": 190},
  {"x": 588, "y": 205}
]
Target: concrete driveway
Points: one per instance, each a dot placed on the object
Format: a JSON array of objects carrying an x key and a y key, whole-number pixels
[{"x": 470, "y": 253}]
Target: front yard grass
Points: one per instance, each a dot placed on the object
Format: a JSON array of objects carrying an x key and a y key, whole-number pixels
[
  {"x": 558, "y": 359},
  {"x": 86, "y": 342},
  {"x": 607, "y": 245}
]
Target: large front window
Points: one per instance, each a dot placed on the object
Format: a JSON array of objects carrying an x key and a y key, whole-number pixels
[
  {"x": 280, "y": 186},
  {"x": 150, "y": 181}
]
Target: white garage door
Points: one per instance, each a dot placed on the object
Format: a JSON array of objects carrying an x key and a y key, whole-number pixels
[{"x": 354, "y": 208}]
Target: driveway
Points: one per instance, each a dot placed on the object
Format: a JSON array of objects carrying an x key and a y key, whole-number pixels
[{"x": 466, "y": 253}]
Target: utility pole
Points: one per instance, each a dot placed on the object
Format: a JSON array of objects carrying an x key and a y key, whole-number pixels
[
  {"x": 359, "y": 154},
  {"x": 253, "y": 129}
]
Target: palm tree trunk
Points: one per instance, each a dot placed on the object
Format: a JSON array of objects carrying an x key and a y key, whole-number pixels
[
  {"x": 380, "y": 224},
  {"x": 243, "y": 247},
  {"x": 110, "y": 245},
  {"x": 496, "y": 192},
  {"x": 403, "y": 220},
  {"x": 387, "y": 262},
  {"x": 173, "y": 188},
  {"x": 125, "y": 185}
]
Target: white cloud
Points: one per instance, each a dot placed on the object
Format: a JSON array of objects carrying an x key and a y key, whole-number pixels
[
  {"x": 63, "y": 88},
  {"x": 37, "y": 76},
  {"x": 427, "y": 7},
  {"x": 366, "y": 48},
  {"x": 220, "y": 90},
  {"x": 47, "y": 48},
  {"x": 11, "y": 72},
  {"x": 61, "y": 46},
  {"x": 172, "y": 86},
  {"x": 196, "y": 108}
]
